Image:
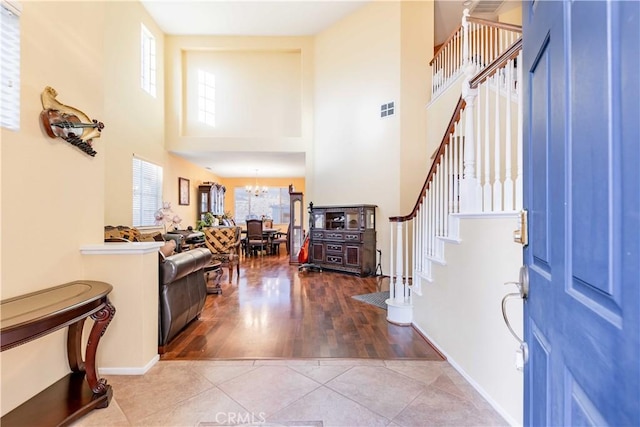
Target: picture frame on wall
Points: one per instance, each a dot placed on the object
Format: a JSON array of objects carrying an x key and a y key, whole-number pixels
[{"x": 183, "y": 191}]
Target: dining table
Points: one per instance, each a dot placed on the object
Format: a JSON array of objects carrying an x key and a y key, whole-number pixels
[{"x": 268, "y": 234}]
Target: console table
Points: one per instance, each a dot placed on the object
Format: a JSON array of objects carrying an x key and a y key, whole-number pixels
[{"x": 31, "y": 316}]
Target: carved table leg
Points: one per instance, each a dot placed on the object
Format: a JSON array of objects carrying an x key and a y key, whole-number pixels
[
  {"x": 102, "y": 319},
  {"x": 74, "y": 346}
]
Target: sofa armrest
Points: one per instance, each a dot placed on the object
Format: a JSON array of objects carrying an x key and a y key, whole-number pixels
[{"x": 181, "y": 264}]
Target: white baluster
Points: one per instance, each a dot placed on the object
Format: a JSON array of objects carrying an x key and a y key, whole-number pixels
[
  {"x": 487, "y": 196},
  {"x": 448, "y": 196},
  {"x": 497, "y": 185},
  {"x": 508, "y": 179},
  {"x": 519, "y": 188},
  {"x": 465, "y": 36},
  {"x": 468, "y": 201},
  {"x": 406, "y": 257},
  {"x": 453, "y": 208}
]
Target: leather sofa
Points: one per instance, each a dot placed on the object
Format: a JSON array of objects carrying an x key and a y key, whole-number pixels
[{"x": 182, "y": 292}]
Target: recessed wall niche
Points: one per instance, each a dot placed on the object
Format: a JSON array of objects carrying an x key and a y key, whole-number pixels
[{"x": 255, "y": 93}]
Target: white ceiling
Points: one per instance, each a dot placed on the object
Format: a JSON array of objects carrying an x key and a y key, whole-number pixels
[{"x": 267, "y": 18}]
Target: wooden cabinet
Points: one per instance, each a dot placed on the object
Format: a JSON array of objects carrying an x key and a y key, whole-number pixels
[
  {"x": 210, "y": 199},
  {"x": 343, "y": 238}
]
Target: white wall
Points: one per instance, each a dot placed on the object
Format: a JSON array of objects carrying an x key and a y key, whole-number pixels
[{"x": 460, "y": 310}]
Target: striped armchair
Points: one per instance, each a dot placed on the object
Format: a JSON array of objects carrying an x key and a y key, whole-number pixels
[{"x": 224, "y": 244}]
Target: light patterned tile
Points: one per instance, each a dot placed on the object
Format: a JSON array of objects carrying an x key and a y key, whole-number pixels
[
  {"x": 435, "y": 407},
  {"x": 425, "y": 373},
  {"x": 331, "y": 408},
  {"x": 112, "y": 415},
  {"x": 211, "y": 406},
  {"x": 288, "y": 362},
  {"x": 377, "y": 388},
  {"x": 162, "y": 387},
  {"x": 268, "y": 388},
  {"x": 352, "y": 362},
  {"x": 218, "y": 374},
  {"x": 321, "y": 374}
]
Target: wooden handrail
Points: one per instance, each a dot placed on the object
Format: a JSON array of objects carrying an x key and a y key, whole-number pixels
[
  {"x": 501, "y": 25},
  {"x": 455, "y": 118},
  {"x": 446, "y": 42},
  {"x": 498, "y": 63}
]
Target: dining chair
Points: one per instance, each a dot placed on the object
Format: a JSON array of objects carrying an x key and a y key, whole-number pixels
[
  {"x": 267, "y": 223},
  {"x": 279, "y": 238},
  {"x": 255, "y": 236},
  {"x": 224, "y": 244}
]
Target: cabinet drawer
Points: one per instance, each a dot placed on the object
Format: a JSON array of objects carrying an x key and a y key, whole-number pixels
[
  {"x": 352, "y": 237},
  {"x": 334, "y": 247},
  {"x": 333, "y": 235},
  {"x": 333, "y": 259},
  {"x": 317, "y": 235}
]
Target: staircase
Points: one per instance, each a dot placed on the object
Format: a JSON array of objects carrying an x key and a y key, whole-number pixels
[{"x": 451, "y": 254}]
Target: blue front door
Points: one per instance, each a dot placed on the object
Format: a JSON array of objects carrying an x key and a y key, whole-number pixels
[{"x": 582, "y": 190}]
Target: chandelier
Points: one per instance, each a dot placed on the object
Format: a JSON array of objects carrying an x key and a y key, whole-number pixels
[{"x": 256, "y": 190}]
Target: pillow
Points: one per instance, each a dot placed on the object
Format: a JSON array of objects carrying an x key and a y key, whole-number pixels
[
  {"x": 167, "y": 249},
  {"x": 156, "y": 236}
]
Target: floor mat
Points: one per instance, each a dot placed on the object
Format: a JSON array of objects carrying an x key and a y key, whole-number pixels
[{"x": 376, "y": 298}]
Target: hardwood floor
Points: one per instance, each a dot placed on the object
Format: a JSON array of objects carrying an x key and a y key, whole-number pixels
[{"x": 273, "y": 311}]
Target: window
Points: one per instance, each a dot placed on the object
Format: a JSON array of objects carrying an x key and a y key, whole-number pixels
[
  {"x": 10, "y": 66},
  {"x": 147, "y": 192},
  {"x": 206, "y": 98},
  {"x": 148, "y": 61},
  {"x": 274, "y": 204}
]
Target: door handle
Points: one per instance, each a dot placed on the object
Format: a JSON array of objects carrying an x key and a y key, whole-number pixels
[{"x": 522, "y": 355}]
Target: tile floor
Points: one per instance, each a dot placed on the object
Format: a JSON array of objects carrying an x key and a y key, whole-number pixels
[{"x": 314, "y": 393}]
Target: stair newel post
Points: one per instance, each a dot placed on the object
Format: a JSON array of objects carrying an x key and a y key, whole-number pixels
[
  {"x": 466, "y": 59},
  {"x": 398, "y": 284},
  {"x": 392, "y": 278}
]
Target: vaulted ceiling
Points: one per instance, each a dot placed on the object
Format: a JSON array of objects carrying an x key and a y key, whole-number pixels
[{"x": 278, "y": 18}]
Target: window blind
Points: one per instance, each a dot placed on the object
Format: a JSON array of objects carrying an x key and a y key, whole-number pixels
[
  {"x": 147, "y": 192},
  {"x": 10, "y": 65}
]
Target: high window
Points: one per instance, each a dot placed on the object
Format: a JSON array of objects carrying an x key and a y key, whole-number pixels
[
  {"x": 147, "y": 192},
  {"x": 10, "y": 65},
  {"x": 206, "y": 98},
  {"x": 148, "y": 61},
  {"x": 273, "y": 204}
]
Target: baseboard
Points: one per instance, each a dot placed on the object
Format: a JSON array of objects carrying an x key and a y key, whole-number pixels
[
  {"x": 466, "y": 376},
  {"x": 130, "y": 371}
]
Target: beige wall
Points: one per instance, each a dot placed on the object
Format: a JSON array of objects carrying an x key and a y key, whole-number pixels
[
  {"x": 373, "y": 56},
  {"x": 232, "y": 183},
  {"x": 284, "y": 129},
  {"x": 176, "y": 167},
  {"x": 257, "y": 93},
  {"x": 356, "y": 157},
  {"x": 513, "y": 16},
  {"x": 460, "y": 310},
  {"x": 417, "y": 19},
  {"x": 75, "y": 195},
  {"x": 53, "y": 194},
  {"x": 135, "y": 121}
]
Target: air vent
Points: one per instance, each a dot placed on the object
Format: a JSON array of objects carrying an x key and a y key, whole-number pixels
[
  {"x": 387, "y": 109},
  {"x": 486, "y": 6}
]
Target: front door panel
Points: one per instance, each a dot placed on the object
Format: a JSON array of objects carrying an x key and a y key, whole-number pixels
[{"x": 581, "y": 63}]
